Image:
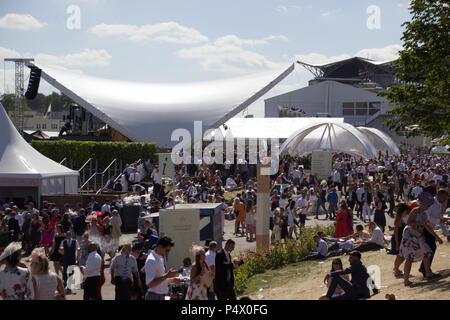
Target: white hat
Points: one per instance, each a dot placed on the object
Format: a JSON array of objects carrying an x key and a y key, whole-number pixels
[{"x": 10, "y": 249}]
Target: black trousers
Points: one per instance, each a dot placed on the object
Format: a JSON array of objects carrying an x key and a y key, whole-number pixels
[
  {"x": 350, "y": 292},
  {"x": 431, "y": 241},
  {"x": 367, "y": 246},
  {"x": 65, "y": 275},
  {"x": 123, "y": 288},
  {"x": 91, "y": 285},
  {"x": 226, "y": 293}
]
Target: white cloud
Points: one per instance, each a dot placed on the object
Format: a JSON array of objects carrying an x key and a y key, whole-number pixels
[
  {"x": 284, "y": 9},
  {"x": 227, "y": 54},
  {"x": 319, "y": 59},
  {"x": 170, "y": 32},
  {"x": 330, "y": 13},
  {"x": 16, "y": 21},
  {"x": 389, "y": 52},
  {"x": 8, "y": 53},
  {"x": 86, "y": 58}
]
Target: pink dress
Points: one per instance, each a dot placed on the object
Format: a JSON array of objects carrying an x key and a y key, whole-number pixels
[{"x": 47, "y": 239}]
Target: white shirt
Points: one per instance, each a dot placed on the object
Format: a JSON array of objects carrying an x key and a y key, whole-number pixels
[
  {"x": 377, "y": 237},
  {"x": 93, "y": 265},
  {"x": 361, "y": 169},
  {"x": 106, "y": 208},
  {"x": 69, "y": 243},
  {"x": 154, "y": 268},
  {"x": 230, "y": 183},
  {"x": 20, "y": 217},
  {"x": 359, "y": 193},
  {"x": 322, "y": 247},
  {"x": 416, "y": 191},
  {"x": 157, "y": 177},
  {"x": 301, "y": 203},
  {"x": 210, "y": 258},
  {"x": 434, "y": 213},
  {"x": 336, "y": 176}
]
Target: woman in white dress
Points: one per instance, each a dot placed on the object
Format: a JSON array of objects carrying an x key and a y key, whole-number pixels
[
  {"x": 46, "y": 283},
  {"x": 277, "y": 222},
  {"x": 292, "y": 216},
  {"x": 201, "y": 277},
  {"x": 15, "y": 280}
]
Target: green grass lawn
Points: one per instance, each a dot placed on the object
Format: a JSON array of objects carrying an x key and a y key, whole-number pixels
[{"x": 275, "y": 278}]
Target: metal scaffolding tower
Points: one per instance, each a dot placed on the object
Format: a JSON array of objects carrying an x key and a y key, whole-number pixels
[{"x": 19, "y": 91}]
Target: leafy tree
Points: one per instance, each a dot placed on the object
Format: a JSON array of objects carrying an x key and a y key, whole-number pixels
[{"x": 423, "y": 96}]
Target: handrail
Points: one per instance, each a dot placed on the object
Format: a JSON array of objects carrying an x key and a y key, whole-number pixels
[
  {"x": 90, "y": 159},
  {"x": 118, "y": 176},
  {"x": 87, "y": 181},
  {"x": 112, "y": 162}
]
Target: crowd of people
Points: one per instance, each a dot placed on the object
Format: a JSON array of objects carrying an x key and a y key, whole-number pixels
[{"x": 356, "y": 197}]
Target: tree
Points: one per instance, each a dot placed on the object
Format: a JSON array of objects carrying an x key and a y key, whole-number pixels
[{"x": 423, "y": 96}]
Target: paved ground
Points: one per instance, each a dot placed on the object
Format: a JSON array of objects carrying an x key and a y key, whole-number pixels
[{"x": 241, "y": 245}]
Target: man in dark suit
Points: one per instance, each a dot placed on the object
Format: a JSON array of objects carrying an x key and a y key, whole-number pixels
[
  {"x": 94, "y": 205},
  {"x": 224, "y": 280},
  {"x": 355, "y": 289}
]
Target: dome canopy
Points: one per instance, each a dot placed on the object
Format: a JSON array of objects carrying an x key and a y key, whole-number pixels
[
  {"x": 335, "y": 137},
  {"x": 380, "y": 140}
]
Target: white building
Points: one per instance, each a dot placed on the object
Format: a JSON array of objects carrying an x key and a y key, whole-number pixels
[{"x": 329, "y": 98}]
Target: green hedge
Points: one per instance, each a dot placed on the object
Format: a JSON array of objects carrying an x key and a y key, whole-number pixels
[
  {"x": 280, "y": 254},
  {"x": 104, "y": 152}
]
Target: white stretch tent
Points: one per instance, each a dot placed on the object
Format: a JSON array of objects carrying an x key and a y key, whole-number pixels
[
  {"x": 380, "y": 140},
  {"x": 267, "y": 128},
  {"x": 152, "y": 111},
  {"x": 23, "y": 166},
  {"x": 335, "y": 137}
]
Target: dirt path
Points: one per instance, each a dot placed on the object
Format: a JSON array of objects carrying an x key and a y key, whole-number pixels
[{"x": 304, "y": 281}]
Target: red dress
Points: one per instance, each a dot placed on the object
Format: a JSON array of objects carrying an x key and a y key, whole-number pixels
[{"x": 341, "y": 224}]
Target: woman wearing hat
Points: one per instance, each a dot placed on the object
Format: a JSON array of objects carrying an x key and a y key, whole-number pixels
[
  {"x": 414, "y": 247},
  {"x": 16, "y": 283}
]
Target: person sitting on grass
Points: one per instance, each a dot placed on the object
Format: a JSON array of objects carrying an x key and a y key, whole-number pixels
[
  {"x": 320, "y": 250},
  {"x": 376, "y": 241},
  {"x": 336, "y": 265},
  {"x": 356, "y": 288}
]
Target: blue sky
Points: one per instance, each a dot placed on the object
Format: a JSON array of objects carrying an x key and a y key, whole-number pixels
[{"x": 196, "y": 40}]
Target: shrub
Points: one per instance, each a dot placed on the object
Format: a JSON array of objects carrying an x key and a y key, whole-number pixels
[
  {"x": 279, "y": 255},
  {"x": 104, "y": 152}
]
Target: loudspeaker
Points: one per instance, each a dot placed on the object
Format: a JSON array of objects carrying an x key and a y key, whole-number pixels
[{"x": 33, "y": 84}]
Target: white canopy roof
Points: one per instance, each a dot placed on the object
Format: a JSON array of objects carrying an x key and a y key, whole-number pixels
[
  {"x": 20, "y": 160},
  {"x": 276, "y": 128},
  {"x": 151, "y": 111},
  {"x": 380, "y": 140},
  {"x": 336, "y": 137}
]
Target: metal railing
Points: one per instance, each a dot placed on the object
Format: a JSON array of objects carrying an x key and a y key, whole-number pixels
[
  {"x": 84, "y": 167},
  {"x": 118, "y": 176},
  {"x": 65, "y": 160}
]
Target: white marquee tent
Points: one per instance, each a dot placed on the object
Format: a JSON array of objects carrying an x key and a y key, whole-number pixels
[
  {"x": 150, "y": 112},
  {"x": 335, "y": 137},
  {"x": 269, "y": 128},
  {"x": 23, "y": 166},
  {"x": 380, "y": 140}
]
